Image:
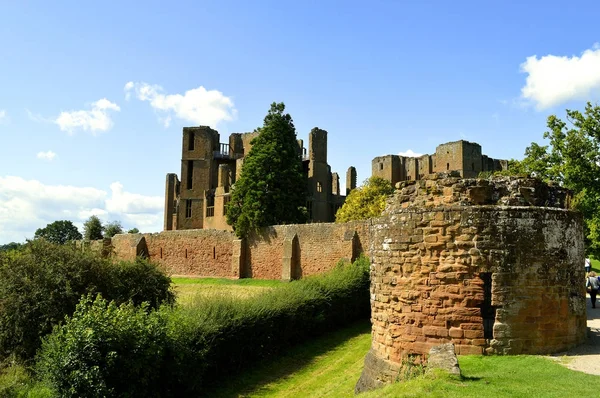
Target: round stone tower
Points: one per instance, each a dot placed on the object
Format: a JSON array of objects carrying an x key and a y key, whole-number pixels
[{"x": 492, "y": 266}]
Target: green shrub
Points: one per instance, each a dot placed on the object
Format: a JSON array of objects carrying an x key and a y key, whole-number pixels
[
  {"x": 227, "y": 334},
  {"x": 43, "y": 283},
  {"x": 139, "y": 281},
  {"x": 196, "y": 345},
  {"x": 106, "y": 350},
  {"x": 16, "y": 381}
]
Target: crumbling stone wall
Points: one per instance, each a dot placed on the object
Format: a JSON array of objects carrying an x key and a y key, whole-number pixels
[
  {"x": 319, "y": 247},
  {"x": 306, "y": 249},
  {"x": 490, "y": 266}
]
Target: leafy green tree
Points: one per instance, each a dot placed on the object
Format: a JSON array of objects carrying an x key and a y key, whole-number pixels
[
  {"x": 133, "y": 231},
  {"x": 112, "y": 228},
  {"x": 92, "y": 228},
  {"x": 59, "y": 232},
  {"x": 10, "y": 246},
  {"x": 572, "y": 159},
  {"x": 43, "y": 282},
  {"x": 272, "y": 187},
  {"x": 366, "y": 201}
]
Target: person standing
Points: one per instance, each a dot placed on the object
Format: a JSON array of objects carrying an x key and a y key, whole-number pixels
[
  {"x": 588, "y": 265},
  {"x": 592, "y": 286}
]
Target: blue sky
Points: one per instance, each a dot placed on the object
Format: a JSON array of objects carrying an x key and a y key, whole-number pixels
[{"x": 382, "y": 77}]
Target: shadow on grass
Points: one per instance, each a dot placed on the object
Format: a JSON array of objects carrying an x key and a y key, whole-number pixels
[{"x": 277, "y": 368}]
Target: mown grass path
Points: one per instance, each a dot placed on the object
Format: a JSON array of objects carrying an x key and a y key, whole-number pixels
[{"x": 325, "y": 367}]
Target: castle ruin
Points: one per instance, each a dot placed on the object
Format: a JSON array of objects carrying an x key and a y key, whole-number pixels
[
  {"x": 209, "y": 169},
  {"x": 462, "y": 156},
  {"x": 491, "y": 266}
]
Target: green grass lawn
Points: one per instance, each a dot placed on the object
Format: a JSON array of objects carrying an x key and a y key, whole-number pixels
[
  {"x": 498, "y": 376},
  {"x": 325, "y": 367},
  {"x": 190, "y": 289},
  {"x": 330, "y": 367}
]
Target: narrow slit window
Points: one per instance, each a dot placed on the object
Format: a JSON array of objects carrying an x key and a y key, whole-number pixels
[
  {"x": 190, "y": 173},
  {"x": 188, "y": 208},
  {"x": 214, "y": 252},
  {"x": 488, "y": 312},
  {"x": 319, "y": 187},
  {"x": 447, "y": 166},
  {"x": 191, "y": 138}
]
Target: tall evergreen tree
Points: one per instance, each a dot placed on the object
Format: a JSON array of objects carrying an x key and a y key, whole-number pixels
[{"x": 272, "y": 187}]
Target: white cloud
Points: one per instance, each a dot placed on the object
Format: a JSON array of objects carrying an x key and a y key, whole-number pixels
[
  {"x": 49, "y": 155},
  {"x": 410, "y": 154},
  {"x": 198, "y": 105},
  {"x": 96, "y": 119},
  {"x": 26, "y": 205},
  {"x": 553, "y": 80},
  {"x": 3, "y": 116},
  {"x": 36, "y": 117},
  {"x": 127, "y": 202}
]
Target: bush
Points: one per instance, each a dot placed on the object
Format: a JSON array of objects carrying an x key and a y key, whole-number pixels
[
  {"x": 184, "y": 350},
  {"x": 221, "y": 335},
  {"x": 43, "y": 283},
  {"x": 110, "y": 351}
]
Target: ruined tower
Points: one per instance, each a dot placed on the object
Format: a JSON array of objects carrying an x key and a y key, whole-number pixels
[
  {"x": 210, "y": 168},
  {"x": 319, "y": 176},
  {"x": 492, "y": 266}
]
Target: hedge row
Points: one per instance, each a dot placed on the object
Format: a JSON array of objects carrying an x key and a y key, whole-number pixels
[
  {"x": 103, "y": 349},
  {"x": 43, "y": 282}
]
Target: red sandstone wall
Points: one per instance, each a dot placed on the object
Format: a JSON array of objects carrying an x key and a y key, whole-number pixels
[
  {"x": 124, "y": 246},
  {"x": 209, "y": 252},
  {"x": 192, "y": 252},
  {"x": 321, "y": 246}
]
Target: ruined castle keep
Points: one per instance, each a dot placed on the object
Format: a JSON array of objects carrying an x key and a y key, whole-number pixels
[
  {"x": 462, "y": 156},
  {"x": 209, "y": 168},
  {"x": 492, "y": 266}
]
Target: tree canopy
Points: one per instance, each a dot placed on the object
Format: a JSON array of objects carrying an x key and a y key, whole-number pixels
[
  {"x": 366, "y": 201},
  {"x": 112, "y": 228},
  {"x": 93, "y": 229},
  {"x": 272, "y": 187},
  {"x": 572, "y": 159},
  {"x": 59, "y": 232}
]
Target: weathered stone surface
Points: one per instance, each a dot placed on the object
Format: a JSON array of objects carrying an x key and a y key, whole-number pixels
[
  {"x": 310, "y": 249},
  {"x": 377, "y": 373},
  {"x": 443, "y": 357},
  {"x": 489, "y": 266}
]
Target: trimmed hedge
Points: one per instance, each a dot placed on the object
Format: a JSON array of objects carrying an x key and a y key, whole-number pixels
[
  {"x": 43, "y": 283},
  {"x": 213, "y": 339}
]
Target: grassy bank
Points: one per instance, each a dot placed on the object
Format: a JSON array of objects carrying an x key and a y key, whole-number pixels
[
  {"x": 189, "y": 289},
  {"x": 325, "y": 367},
  {"x": 331, "y": 365}
]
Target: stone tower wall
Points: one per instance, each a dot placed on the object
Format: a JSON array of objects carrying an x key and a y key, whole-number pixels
[
  {"x": 490, "y": 266},
  {"x": 388, "y": 167}
]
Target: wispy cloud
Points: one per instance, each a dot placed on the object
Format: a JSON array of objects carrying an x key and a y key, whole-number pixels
[
  {"x": 3, "y": 116},
  {"x": 26, "y": 205},
  {"x": 49, "y": 155},
  {"x": 553, "y": 80},
  {"x": 199, "y": 105},
  {"x": 94, "y": 120}
]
